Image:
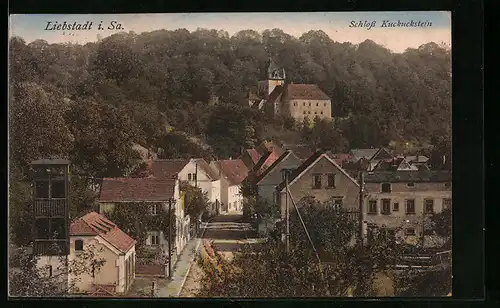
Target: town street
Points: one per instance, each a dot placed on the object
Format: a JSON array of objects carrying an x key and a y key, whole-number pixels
[{"x": 228, "y": 234}]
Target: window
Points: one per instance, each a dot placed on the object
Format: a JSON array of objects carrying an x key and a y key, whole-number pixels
[
  {"x": 331, "y": 181},
  {"x": 316, "y": 181},
  {"x": 447, "y": 185},
  {"x": 50, "y": 270},
  {"x": 58, "y": 228},
  {"x": 386, "y": 206},
  {"x": 410, "y": 206},
  {"x": 42, "y": 189},
  {"x": 446, "y": 203},
  {"x": 154, "y": 209},
  {"x": 189, "y": 176},
  {"x": 337, "y": 203},
  {"x": 411, "y": 184},
  {"x": 42, "y": 227},
  {"x": 321, "y": 112},
  {"x": 395, "y": 207},
  {"x": 78, "y": 245},
  {"x": 309, "y": 112},
  {"x": 372, "y": 207},
  {"x": 295, "y": 104},
  {"x": 324, "y": 105},
  {"x": 305, "y": 112},
  {"x": 386, "y": 187},
  {"x": 317, "y": 104},
  {"x": 194, "y": 177},
  {"x": 410, "y": 231},
  {"x": 309, "y": 104},
  {"x": 155, "y": 238},
  {"x": 57, "y": 189},
  {"x": 303, "y": 104},
  {"x": 429, "y": 206},
  {"x": 315, "y": 112}
]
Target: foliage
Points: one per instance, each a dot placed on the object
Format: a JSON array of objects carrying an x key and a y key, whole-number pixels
[
  {"x": 136, "y": 219},
  {"x": 20, "y": 216},
  {"x": 195, "y": 201},
  {"x": 265, "y": 270},
  {"x": 30, "y": 279}
]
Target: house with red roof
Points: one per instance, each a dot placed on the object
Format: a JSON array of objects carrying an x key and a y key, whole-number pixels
[
  {"x": 232, "y": 173},
  {"x": 300, "y": 101},
  {"x": 96, "y": 236},
  {"x": 115, "y": 247},
  {"x": 195, "y": 171},
  {"x": 155, "y": 192}
]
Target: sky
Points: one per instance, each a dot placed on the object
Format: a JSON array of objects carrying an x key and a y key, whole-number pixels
[{"x": 335, "y": 24}]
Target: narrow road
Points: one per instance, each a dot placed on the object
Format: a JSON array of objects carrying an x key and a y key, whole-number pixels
[{"x": 229, "y": 234}]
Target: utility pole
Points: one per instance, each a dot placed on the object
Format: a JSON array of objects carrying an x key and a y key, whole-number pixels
[
  {"x": 196, "y": 175},
  {"x": 361, "y": 206},
  {"x": 170, "y": 238},
  {"x": 287, "y": 212}
]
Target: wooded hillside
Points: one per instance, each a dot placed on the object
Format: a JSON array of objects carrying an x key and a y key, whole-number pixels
[{"x": 90, "y": 102}]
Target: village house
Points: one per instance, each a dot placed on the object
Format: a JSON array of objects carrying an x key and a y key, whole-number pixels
[
  {"x": 277, "y": 97},
  {"x": 272, "y": 176},
  {"x": 94, "y": 234},
  {"x": 158, "y": 193},
  {"x": 111, "y": 244},
  {"x": 322, "y": 178},
  {"x": 195, "y": 171},
  {"x": 232, "y": 173},
  {"x": 365, "y": 159},
  {"x": 402, "y": 198}
]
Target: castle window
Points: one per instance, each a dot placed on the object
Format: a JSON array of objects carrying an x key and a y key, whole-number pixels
[
  {"x": 305, "y": 112},
  {"x": 321, "y": 112},
  {"x": 315, "y": 112},
  {"x": 303, "y": 104},
  {"x": 317, "y": 104},
  {"x": 295, "y": 104},
  {"x": 324, "y": 105},
  {"x": 309, "y": 104}
]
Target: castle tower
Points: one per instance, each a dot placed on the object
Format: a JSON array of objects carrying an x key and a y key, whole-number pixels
[{"x": 275, "y": 76}]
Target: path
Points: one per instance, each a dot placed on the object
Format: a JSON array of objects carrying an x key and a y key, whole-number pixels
[{"x": 228, "y": 234}]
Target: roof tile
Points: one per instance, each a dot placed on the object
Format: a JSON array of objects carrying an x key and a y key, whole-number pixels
[
  {"x": 137, "y": 189},
  {"x": 96, "y": 224}
]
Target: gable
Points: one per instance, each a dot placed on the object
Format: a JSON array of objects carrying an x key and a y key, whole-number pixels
[
  {"x": 404, "y": 165},
  {"x": 274, "y": 176},
  {"x": 318, "y": 163},
  {"x": 382, "y": 154}
]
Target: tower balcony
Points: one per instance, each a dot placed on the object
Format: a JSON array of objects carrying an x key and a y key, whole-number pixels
[{"x": 50, "y": 207}]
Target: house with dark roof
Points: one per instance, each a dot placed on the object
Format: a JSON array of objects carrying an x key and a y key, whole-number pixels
[
  {"x": 156, "y": 193},
  {"x": 195, "y": 171},
  {"x": 272, "y": 176},
  {"x": 232, "y": 173},
  {"x": 402, "y": 198},
  {"x": 322, "y": 178},
  {"x": 95, "y": 232},
  {"x": 367, "y": 159},
  {"x": 396, "y": 164},
  {"x": 302, "y": 151}
]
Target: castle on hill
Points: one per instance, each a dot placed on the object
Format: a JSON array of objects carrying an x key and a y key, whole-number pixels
[{"x": 276, "y": 97}]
